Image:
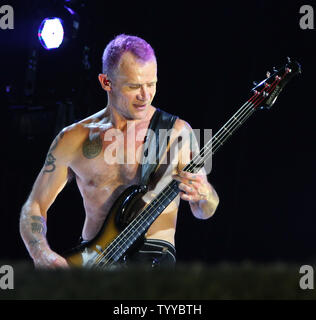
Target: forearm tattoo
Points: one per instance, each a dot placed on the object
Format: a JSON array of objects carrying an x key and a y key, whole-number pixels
[
  {"x": 50, "y": 159},
  {"x": 33, "y": 230},
  {"x": 34, "y": 243},
  {"x": 92, "y": 148},
  {"x": 38, "y": 225}
]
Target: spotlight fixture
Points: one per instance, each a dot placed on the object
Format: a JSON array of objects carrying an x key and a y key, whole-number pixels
[
  {"x": 51, "y": 33},
  {"x": 61, "y": 23}
]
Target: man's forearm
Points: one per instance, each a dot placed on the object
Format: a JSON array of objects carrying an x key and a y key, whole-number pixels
[{"x": 33, "y": 232}]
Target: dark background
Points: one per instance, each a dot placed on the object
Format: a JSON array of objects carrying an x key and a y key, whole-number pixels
[{"x": 208, "y": 56}]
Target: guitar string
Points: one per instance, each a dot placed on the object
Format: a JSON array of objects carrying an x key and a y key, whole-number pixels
[{"x": 248, "y": 105}]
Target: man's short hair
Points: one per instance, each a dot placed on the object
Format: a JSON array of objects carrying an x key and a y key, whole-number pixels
[{"x": 121, "y": 44}]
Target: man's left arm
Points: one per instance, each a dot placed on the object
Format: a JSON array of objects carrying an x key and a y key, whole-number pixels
[{"x": 194, "y": 188}]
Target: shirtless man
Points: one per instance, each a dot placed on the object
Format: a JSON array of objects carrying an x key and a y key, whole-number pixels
[{"x": 129, "y": 77}]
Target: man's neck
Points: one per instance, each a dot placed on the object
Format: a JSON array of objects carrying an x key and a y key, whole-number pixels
[{"x": 119, "y": 121}]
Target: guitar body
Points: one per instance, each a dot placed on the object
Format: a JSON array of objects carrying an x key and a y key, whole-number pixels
[{"x": 122, "y": 211}]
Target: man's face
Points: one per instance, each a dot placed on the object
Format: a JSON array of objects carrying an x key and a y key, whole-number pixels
[{"x": 133, "y": 87}]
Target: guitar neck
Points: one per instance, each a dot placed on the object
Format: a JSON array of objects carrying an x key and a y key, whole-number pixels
[{"x": 221, "y": 137}]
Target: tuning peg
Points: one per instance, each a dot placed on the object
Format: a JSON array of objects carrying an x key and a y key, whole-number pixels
[
  {"x": 274, "y": 69},
  {"x": 268, "y": 74},
  {"x": 255, "y": 83},
  {"x": 288, "y": 59}
]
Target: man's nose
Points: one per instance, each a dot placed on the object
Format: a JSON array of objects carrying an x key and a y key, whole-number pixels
[{"x": 143, "y": 94}]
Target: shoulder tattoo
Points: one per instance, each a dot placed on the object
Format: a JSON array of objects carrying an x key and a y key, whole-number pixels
[{"x": 92, "y": 148}]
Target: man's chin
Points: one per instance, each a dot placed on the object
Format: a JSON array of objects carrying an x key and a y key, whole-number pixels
[{"x": 139, "y": 113}]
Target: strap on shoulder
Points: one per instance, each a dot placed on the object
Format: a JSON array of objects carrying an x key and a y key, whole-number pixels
[{"x": 156, "y": 142}]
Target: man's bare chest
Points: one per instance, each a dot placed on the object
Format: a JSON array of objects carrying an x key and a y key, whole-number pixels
[{"x": 110, "y": 158}]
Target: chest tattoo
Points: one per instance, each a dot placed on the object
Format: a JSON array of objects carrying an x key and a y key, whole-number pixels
[{"x": 92, "y": 148}]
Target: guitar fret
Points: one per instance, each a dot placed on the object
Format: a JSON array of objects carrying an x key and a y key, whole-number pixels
[
  {"x": 237, "y": 120},
  {"x": 215, "y": 138},
  {"x": 227, "y": 130}
]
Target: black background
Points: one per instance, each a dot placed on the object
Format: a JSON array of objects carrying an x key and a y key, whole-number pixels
[{"x": 208, "y": 56}]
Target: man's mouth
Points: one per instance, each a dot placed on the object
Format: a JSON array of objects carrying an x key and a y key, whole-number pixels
[{"x": 140, "y": 106}]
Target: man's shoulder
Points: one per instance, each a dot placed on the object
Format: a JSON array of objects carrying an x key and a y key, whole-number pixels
[
  {"x": 79, "y": 131},
  {"x": 73, "y": 136},
  {"x": 181, "y": 125},
  {"x": 99, "y": 116},
  {"x": 67, "y": 142},
  {"x": 74, "y": 132}
]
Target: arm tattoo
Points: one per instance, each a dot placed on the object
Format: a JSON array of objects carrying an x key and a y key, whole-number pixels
[
  {"x": 49, "y": 162},
  {"x": 50, "y": 159},
  {"x": 39, "y": 225},
  {"x": 34, "y": 243},
  {"x": 92, "y": 148}
]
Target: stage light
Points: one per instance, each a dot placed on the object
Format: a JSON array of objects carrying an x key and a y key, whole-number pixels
[{"x": 51, "y": 33}]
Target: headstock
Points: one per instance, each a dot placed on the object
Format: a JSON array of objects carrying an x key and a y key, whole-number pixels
[{"x": 268, "y": 90}]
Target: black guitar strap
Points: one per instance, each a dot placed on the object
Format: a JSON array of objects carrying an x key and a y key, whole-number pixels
[{"x": 156, "y": 142}]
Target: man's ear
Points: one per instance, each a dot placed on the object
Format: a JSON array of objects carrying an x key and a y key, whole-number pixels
[{"x": 104, "y": 81}]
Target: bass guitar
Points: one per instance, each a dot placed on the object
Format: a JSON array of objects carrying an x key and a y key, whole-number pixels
[{"x": 113, "y": 241}]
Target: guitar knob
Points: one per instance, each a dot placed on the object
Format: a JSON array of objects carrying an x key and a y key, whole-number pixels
[{"x": 143, "y": 188}]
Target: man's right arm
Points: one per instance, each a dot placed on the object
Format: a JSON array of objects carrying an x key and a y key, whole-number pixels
[{"x": 50, "y": 181}]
